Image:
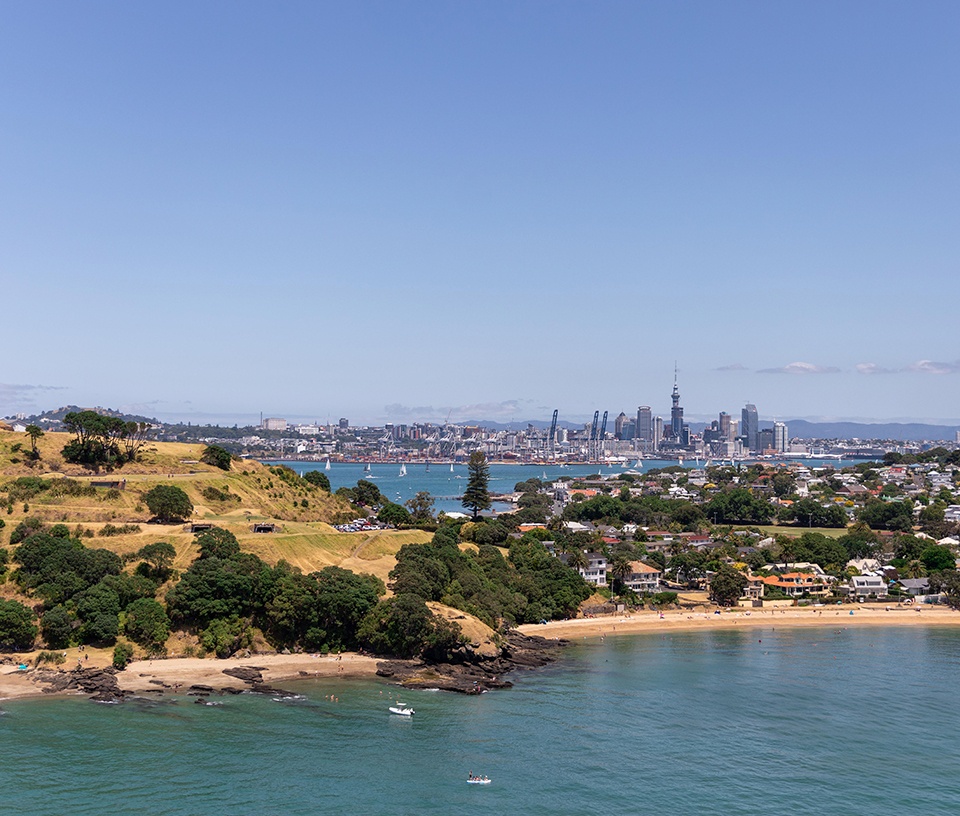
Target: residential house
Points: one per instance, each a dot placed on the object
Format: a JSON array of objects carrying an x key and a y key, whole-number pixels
[
  {"x": 643, "y": 578},
  {"x": 596, "y": 570},
  {"x": 796, "y": 584}
]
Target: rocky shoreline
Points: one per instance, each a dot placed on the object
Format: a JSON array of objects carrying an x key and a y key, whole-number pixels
[{"x": 470, "y": 672}]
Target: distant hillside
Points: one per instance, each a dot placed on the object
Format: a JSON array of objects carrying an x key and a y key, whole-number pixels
[{"x": 901, "y": 432}]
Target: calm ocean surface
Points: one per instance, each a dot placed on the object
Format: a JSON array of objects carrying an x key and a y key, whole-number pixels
[{"x": 760, "y": 722}]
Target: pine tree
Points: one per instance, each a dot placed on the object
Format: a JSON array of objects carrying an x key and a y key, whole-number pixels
[{"x": 476, "y": 497}]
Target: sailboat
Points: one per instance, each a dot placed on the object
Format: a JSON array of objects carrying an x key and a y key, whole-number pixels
[
  {"x": 403, "y": 470},
  {"x": 327, "y": 466},
  {"x": 544, "y": 475},
  {"x": 428, "y": 467},
  {"x": 451, "y": 467},
  {"x": 366, "y": 468}
]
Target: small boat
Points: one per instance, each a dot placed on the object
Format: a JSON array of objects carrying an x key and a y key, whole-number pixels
[
  {"x": 366, "y": 468},
  {"x": 327, "y": 466},
  {"x": 478, "y": 780},
  {"x": 403, "y": 470},
  {"x": 402, "y": 710},
  {"x": 451, "y": 467},
  {"x": 428, "y": 467}
]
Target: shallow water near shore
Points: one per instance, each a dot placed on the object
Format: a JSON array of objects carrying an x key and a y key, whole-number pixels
[{"x": 857, "y": 721}]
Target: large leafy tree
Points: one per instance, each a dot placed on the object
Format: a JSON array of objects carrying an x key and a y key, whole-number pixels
[
  {"x": 477, "y": 495},
  {"x": 168, "y": 503},
  {"x": 216, "y": 456},
  {"x": 727, "y": 585},
  {"x": 102, "y": 441},
  {"x": 421, "y": 507},
  {"x": 17, "y": 629},
  {"x": 318, "y": 479}
]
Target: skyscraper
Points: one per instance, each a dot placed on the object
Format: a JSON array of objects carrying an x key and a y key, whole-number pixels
[
  {"x": 724, "y": 425},
  {"x": 645, "y": 426},
  {"x": 750, "y": 426},
  {"x": 780, "y": 437}
]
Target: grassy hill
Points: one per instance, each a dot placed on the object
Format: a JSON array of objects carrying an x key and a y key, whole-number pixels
[{"x": 56, "y": 491}]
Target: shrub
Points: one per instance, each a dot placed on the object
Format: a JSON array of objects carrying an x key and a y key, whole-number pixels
[
  {"x": 114, "y": 530},
  {"x": 122, "y": 655}
]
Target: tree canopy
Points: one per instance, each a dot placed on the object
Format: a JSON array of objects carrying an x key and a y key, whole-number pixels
[{"x": 168, "y": 503}]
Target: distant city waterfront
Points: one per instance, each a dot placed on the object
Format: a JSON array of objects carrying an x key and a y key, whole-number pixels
[{"x": 446, "y": 486}]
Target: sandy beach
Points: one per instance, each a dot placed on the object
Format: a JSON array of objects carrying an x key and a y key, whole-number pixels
[
  {"x": 179, "y": 673},
  {"x": 792, "y": 617}
]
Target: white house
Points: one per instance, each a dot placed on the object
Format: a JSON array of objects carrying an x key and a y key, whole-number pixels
[
  {"x": 596, "y": 570},
  {"x": 862, "y": 586}
]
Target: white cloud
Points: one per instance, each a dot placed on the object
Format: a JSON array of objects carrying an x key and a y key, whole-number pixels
[
  {"x": 932, "y": 367},
  {"x": 873, "y": 368},
  {"x": 800, "y": 368}
]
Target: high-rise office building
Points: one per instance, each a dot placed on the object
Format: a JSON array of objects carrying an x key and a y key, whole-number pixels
[
  {"x": 618, "y": 425},
  {"x": 645, "y": 426},
  {"x": 780, "y": 437},
  {"x": 657, "y": 432},
  {"x": 750, "y": 426},
  {"x": 724, "y": 425}
]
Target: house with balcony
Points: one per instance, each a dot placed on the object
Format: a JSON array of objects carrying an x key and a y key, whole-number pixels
[{"x": 643, "y": 578}]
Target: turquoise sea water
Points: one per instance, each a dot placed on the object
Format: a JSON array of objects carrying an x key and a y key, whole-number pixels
[{"x": 827, "y": 721}]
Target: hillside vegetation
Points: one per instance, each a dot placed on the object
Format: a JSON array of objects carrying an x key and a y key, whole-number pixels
[{"x": 108, "y": 512}]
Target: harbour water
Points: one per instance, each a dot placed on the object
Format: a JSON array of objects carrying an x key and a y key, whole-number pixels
[
  {"x": 447, "y": 486},
  {"x": 812, "y": 721}
]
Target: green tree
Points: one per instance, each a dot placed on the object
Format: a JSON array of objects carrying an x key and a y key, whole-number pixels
[
  {"x": 393, "y": 514},
  {"x": 17, "y": 629},
  {"x": 216, "y": 456},
  {"x": 937, "y": 558},
  {"x": 218, "y": 543},
  {"x": 421, "y": 507},
  {"x": 619, "y": 569},
  {"x": 56, "y": 627},
  {"x": 367, "y": 494},
  {"x": 317, "y": 479},
  {"x": 400, "y": 626},
  {"x": 147, "y": 623},
  {"x": 34, "y": 432},
  {"x": 168, "y": 503},
  {"x": 477, "y": 495},
  {"x": 159, "y": 556},
  {"x": 727, "y": 585}
]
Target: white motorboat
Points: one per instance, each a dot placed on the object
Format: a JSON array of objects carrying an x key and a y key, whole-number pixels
[
  {"x": 402, "y": 710},
  {"x": 478, "y": 780}
]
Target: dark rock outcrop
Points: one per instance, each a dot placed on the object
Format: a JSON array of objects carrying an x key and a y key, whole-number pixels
[
  {"x": 100, "y": 683},
  {"x": 469, "y": 673}
]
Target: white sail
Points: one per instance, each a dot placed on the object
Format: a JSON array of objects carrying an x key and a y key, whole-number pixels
[
  {"x": 403, "y": 470},
  {"x": 327, "y": 466}
]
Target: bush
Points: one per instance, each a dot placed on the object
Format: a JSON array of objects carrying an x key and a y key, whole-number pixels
[
  {"x": 122, "y": 655},
  {"x": 113, "y": 530}
]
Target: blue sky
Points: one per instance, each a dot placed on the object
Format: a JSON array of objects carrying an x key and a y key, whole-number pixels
[{"x": 397, "y": 211}]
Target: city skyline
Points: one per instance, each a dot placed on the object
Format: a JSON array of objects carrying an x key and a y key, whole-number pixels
[{"x": 392, "y": 212}]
